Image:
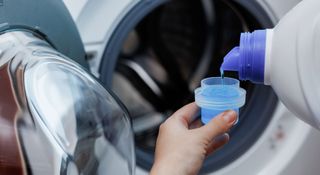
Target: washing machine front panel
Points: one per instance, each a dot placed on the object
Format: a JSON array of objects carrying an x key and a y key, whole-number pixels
[
  {"x": 277, "y": 9},
  {"x": 97, "y": 20},
  {"x": 271, "y": 147}
]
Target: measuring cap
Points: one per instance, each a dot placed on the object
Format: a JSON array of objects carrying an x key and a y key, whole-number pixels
[{"x": 217, "y": 95}]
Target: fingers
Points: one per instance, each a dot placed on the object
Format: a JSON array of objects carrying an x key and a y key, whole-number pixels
[
  {"x": 219, "y": 124},
  {"x": 187, "y": 113},
  {"x": 218, "y": 142},
  {"x": 195, "y": 124}
]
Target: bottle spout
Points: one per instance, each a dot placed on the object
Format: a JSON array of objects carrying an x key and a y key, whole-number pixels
[
  {"x": 248, "y": 59},
  {"x": 231, "y": 60}
]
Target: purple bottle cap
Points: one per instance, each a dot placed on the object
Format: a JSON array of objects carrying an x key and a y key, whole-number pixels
[{"x": 249, "y": 58}]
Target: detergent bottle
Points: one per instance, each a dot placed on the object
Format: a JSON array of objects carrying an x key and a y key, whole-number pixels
[{"x": 286, "y": 57}]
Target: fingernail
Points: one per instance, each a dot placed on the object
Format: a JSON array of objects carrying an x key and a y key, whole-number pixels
[
  {"x": 229, "y": 116},
  {"x": 222, "y": 137}
]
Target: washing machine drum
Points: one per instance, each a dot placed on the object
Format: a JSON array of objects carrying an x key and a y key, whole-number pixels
[{"x": 55, "y": 118}]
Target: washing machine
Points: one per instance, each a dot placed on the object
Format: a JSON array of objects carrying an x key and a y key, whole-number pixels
[
  {"x": 153, "y": 54},
  {"x": 55, "y": 117}
]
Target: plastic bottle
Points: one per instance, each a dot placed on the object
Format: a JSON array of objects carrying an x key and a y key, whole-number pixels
[{"x": 287, "y": 58}]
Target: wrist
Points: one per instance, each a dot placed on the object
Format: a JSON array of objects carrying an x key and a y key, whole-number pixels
[{"x": 165, "y": 167}]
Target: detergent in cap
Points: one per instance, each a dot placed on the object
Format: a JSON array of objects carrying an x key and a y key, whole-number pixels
[{"x": 217, "y": 95}]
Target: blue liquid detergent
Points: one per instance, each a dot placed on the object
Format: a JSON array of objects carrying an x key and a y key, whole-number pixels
[
  {"x": 222, "y": 75},
  {"x": 220, "y": 94}
]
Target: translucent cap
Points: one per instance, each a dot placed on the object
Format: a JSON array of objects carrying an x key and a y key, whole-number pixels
[{"x": 218, "y": 93}]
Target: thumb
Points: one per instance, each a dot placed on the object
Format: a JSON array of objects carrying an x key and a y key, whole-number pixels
[
  {"x": 219, "y": 124},
  {"x": 217, "y": 143}
]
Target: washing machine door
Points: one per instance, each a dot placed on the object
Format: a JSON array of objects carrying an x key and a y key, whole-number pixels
[{"x": 55, "y": 118}]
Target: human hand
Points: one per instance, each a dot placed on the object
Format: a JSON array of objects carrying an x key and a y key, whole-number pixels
[{"x": 181, "y": 149}]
